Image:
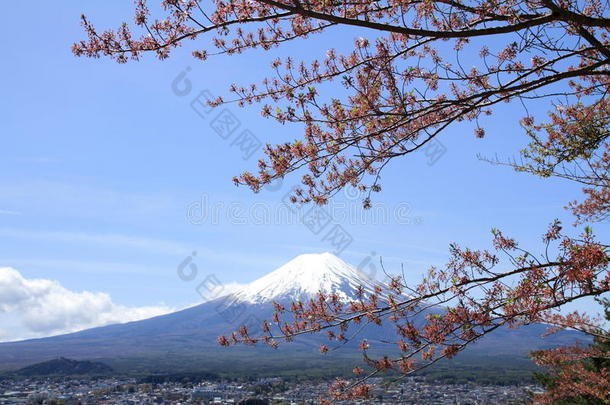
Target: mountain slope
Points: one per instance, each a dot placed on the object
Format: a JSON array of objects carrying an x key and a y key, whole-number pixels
[{"x": 63, "y": 366}]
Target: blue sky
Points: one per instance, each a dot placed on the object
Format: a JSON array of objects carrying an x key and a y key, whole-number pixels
[{"x": 100, "y": 163}]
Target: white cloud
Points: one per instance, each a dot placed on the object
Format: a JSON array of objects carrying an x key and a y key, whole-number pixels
[{"x": 44, "y": 307}]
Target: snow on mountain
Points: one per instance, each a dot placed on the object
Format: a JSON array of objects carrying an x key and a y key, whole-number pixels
[{"x": 304, "y": 277}]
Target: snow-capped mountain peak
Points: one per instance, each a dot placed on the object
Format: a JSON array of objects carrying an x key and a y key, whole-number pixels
[{"x": 303, "y": 277}]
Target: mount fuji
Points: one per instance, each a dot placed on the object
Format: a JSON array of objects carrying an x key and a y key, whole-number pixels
[{"x": 190, "y": 335}]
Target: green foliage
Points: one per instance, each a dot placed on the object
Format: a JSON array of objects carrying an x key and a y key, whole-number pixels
[
  {"x": 501, "y": 370},
  {"x": 254, "y": 401},
  {"x": 560, "y": 146},
  {"x": 595, "y": 364},
  {"x": 63, "y": 366}
]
